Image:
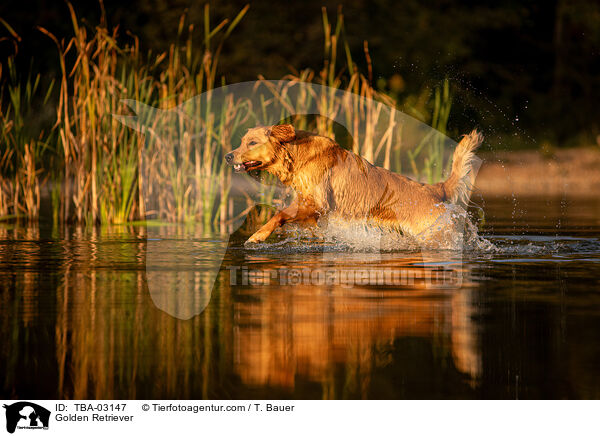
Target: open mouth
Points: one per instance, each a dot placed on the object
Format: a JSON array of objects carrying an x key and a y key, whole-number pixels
[{"x": 246, "y": 165}]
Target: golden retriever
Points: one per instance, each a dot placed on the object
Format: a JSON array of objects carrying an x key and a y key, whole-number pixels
[{"x": 328, "y": 179}]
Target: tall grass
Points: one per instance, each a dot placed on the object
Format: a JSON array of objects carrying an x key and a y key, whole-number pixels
[
  {"x": 102, "y": 156},
  {"x": 22, "y": 146},
  {"x": 102, "y": 171},
  {"x": 432, "y": 146}
]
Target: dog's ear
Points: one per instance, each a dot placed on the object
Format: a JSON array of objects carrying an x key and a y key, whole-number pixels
[{"x": 283, "y": 133}]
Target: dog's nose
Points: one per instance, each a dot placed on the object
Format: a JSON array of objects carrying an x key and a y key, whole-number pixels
[{"x": 228, "y": 157}]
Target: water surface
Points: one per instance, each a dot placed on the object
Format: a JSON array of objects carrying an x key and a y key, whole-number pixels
[{"x": 82, "y": 317}]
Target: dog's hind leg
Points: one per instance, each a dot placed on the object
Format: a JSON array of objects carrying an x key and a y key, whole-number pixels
[{"x": 295, "y": 212}]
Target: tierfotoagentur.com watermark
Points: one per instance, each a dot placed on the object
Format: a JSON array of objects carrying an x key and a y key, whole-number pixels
[{"x": 347, "y": 278}]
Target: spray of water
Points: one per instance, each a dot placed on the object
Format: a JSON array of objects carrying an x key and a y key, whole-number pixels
[{"x": 453, "y": 231}]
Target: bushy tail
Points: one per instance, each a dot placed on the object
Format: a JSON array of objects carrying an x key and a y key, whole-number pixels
[{"x": 460, "y": 183}]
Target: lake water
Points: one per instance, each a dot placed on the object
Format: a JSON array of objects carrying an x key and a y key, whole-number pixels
[{"x": 129, "y": 312}]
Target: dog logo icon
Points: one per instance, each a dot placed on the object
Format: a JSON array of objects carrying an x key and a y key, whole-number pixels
[{"x": 26, "y": 415}]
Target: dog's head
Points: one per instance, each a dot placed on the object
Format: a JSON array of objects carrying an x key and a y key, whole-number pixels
[{"x": 261, "y": 147}]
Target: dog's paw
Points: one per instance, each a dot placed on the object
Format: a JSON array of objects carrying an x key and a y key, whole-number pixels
[{"x": 254, "y": 239}]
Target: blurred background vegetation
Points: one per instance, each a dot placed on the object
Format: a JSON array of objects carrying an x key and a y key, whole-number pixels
[{"x": 537, "y": 61}]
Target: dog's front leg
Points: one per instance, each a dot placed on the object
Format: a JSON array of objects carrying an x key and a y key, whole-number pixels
[{"x": 293, "y": 213}]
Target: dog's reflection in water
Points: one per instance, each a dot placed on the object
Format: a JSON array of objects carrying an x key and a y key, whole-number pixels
[{"x": 314, "y": 332}]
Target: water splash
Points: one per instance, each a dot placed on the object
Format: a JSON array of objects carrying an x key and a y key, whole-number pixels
[{"x": 454, "y": 230}]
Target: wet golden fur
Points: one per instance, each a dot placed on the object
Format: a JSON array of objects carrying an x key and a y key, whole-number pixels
[{"x": 328, "y": 179}]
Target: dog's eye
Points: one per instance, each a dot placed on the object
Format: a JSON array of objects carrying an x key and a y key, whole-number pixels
[{"x": 251, "y": 143}]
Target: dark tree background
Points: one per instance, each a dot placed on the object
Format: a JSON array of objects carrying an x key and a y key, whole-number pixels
[{"x": 536, "y": 61}]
